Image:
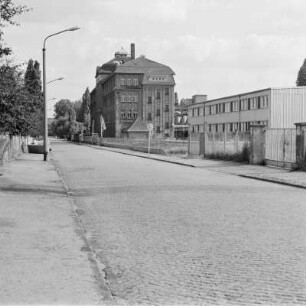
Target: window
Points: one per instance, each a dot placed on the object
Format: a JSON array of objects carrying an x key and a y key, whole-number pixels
[
  {"x": 213, "y": 109},
  {"x": 166, "y": 108},
  {"x": 166, "y": 91},
  {"x": 149, "y": 116},
  {"x": 129, "y": 82},
  {"x": 123, "y": 82},
  {"x": 135, "y": 114},
  {"x": 158, "y": 129},
  {"x": 207, "y": 110},
  {"x": 122, "y": 116},
  {"x": 227, "y": 107},
  {"x": 235, "y": 106},
  {"x": 264, "y": 102},
  {"x": 136, "y": 98},
  {"x": 158, "y": 112},
  {"x": 135, "y": 82},
  {"x": 253, "y": 103},
  {"x": 122, "y": 98},
  {"x": 167, "y": 125},
  {"x": 158, "y": 95},
  {"x": 201, "y": 111},
  {"x": 149, "y": 99},
  {"x": 128, "y": 99}
]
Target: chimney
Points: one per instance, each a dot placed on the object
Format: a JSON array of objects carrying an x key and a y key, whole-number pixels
[{"x": 132, "y": 51}]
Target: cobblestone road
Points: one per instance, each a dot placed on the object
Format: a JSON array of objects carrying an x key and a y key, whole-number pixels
[{"x": 175, "y": 235}]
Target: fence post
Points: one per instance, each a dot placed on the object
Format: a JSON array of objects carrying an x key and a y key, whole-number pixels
[
  {"x": 301, "y": 145},
  {"x": 257, "y": 144}
]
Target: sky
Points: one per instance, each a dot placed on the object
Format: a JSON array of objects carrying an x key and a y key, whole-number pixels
[{"x": 215, "y": 47}]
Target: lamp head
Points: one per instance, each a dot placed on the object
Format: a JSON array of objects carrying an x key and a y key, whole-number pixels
[{"x": 73, "y": 29}]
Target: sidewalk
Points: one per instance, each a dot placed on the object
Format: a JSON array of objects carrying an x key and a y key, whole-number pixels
[
  {"x": 264, "y": 173},
  {"x": 45, "y": 258}
]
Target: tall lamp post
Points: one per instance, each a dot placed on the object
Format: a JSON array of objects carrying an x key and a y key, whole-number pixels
[{"x": 45, "y": 90}]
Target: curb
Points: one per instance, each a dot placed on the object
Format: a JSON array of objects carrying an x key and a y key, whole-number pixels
[
  {"x": 99, "y": 268},
  {"x": 141, "y": 156},
  {"x": 270, "y": 180}
]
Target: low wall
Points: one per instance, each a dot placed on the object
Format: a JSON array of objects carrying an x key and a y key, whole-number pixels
[
  {"x": 11, "y": 146},
  {"x": 226, "y": 143}
]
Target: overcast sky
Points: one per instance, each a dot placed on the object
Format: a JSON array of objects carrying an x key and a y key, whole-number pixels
[{"x": 215, "y": 47}]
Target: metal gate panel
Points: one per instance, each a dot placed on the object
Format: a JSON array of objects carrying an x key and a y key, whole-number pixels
[{"x": 280, "y": 146}]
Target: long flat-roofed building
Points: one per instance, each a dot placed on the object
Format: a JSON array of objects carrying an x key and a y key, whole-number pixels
[{"x": 273, "y": 107}]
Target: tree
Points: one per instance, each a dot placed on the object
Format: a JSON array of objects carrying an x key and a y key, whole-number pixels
[
  {"x": 32, "y": 82},
  {"x": 77, "y": 106},
  {"x": 8, "y": 10},
  {"x": 15, "y": 101},
  {"x": 65, "y": 123},
  {"x": 301, "y": 79},
  {"x": 86, "y": 110}
]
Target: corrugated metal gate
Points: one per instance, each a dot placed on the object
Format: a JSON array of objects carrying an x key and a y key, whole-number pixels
[{"x": 280, "y": 148}]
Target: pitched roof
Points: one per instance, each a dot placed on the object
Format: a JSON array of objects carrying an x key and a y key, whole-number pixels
[
  {"x": 138, "y": 126},
  {"x": 144, "y": 65}
]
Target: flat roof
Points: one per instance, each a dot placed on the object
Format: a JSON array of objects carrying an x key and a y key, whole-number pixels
[{"x": 247, "y": 93}]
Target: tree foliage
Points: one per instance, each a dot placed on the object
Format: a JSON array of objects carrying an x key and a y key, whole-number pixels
[
  {"x": 301, "y": 78},
  {"x": 32, "y": 82},
  {"x": 8, "y": 11},
  {"x": 65, "y": 123},
  {"x": 20, "y": 107},
  {"x": 86, "y": 110}
]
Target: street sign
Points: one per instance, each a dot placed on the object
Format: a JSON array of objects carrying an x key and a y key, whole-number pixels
[{"x": 150, "y": 127}]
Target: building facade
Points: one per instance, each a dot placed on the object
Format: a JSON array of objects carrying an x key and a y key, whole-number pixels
[
  {"x": 129, "y": 88},
  {"x": 273, "y": 107}
]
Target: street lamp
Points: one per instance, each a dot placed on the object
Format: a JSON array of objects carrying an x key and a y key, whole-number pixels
[{"x": 45, "y": 92}]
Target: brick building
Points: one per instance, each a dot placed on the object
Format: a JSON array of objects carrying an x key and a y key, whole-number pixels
[{"x": 129, "y": 88}]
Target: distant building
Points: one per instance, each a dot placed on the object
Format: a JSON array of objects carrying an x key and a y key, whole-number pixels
[
  {"x": 273, "y": 107},
  {"x": 181, "y": 123},
  {"x": 129, "y": 88}
]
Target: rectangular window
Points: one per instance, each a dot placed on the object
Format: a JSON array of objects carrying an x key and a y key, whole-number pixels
[
  {"x": 158, "y": 112},
  {"x": 227, "y": 107},
  {"x": 122, "y": 82},
  {"x": 149, "y": 116},
  {"x": 166, "y": 108},
  {"x": 158, "y": 95},
  {"x": 128, "y": 99},
  {"x": 149, "y": 99},
  {"x": 129, "y": 82},
  {"x": 167, "y": 125},
  {"x": 135, "y": 82},
  {"x": 158, "y": 129},
  {"x": 122, "y": 98},
  {"x": 264, "y": 102},
  {"x": 166, "y": 91},
  {"x": 235, "y": 106},
  {"x": 207, "y": 110}
]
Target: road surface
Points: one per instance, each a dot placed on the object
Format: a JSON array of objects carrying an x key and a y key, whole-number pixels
[{"x": 170, "y": 234}]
